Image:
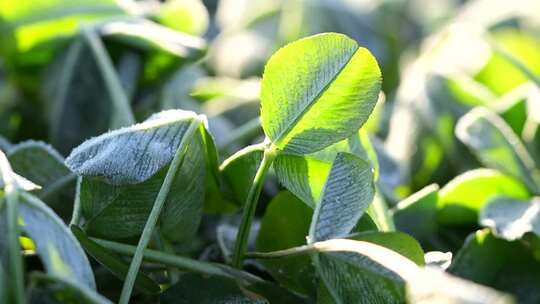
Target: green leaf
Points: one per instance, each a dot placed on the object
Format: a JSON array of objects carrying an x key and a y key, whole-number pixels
[
  {"x": 32, "y": 32},
  {"x": 347, "y": 192},
  {"x": 59, "y": 251},
  {"x": 305, "y": 175},
  {"x": 396, "y": 241},
  {"x": 113, "y": 262},
  {"x": 121, "y": 211},
  {"x": 175, "y": 93},
  {"x": 416, "y": 214},
  {"x": 65, "y": 290},
  {"x": 215, "y": 201},
  {"x": 81, "y": 104},
  {"x": 500, "y": 74},
  {"x": 507, "y": 266},
  {"x": 354, "y": 278},
  {"x": 368, "y": 278},
  {"x": 511, "y": 219},
  {"x": 497, "y": 147},
  {"x": 145, "y": 149},
  {"x": 42, "y": 164},
  {"x": 285, "y": 225},
  {"x": 185, "y": 16},
  {"x": 361, "y": 272},
  {"x": 462, "y": 198},
  {"x": 317, "y": 91},
  {"x": 239, "y": 170},
  {"x": 150, "y": 36},
  {"x": 194, "y": 288},
  {"x": 302, "y": 175}
]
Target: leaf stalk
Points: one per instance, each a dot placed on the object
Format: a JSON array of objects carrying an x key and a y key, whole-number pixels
[
  {"x": 250, "y": 206},
  {"x": 156, "y": 211}
]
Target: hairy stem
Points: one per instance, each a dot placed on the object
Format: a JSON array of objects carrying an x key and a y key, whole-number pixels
[
  {"x": 156, "y": 210},
  {"x": 281, "y": 253},
  {"x": 14, "y": 248},
  {"x": 250, "y": 207},
  {"x": 76, "y": 215}
]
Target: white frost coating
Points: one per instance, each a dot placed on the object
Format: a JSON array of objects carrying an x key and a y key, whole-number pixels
[{"x": 133, "y": 154}]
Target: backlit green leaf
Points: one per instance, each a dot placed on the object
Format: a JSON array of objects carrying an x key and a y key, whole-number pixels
[
  {"x": 317, "y": 91},
  {"x": 462, "y": 198},
  {"x": 305, "y": 175}
]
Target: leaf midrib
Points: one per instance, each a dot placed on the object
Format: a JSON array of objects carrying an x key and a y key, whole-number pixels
[{"x": 302, "y": 113}]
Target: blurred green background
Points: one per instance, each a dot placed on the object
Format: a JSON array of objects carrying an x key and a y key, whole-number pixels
[{"x": 439, "y": 59}]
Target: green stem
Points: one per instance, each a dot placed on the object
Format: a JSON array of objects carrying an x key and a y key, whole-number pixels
[
  {"x": 156, "y": 210},
  {"x": 15, "y": 257},
  {"x": 7, "y": 176},
  {"x": 250, "y": 207},
  {"x": 281, "y": 253},
  {"x": 76, "y": 215},
  {"x": 180, "y": 262},
  {"x": 123, "y": 116},
  {"x": 244, "y": 132}
]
